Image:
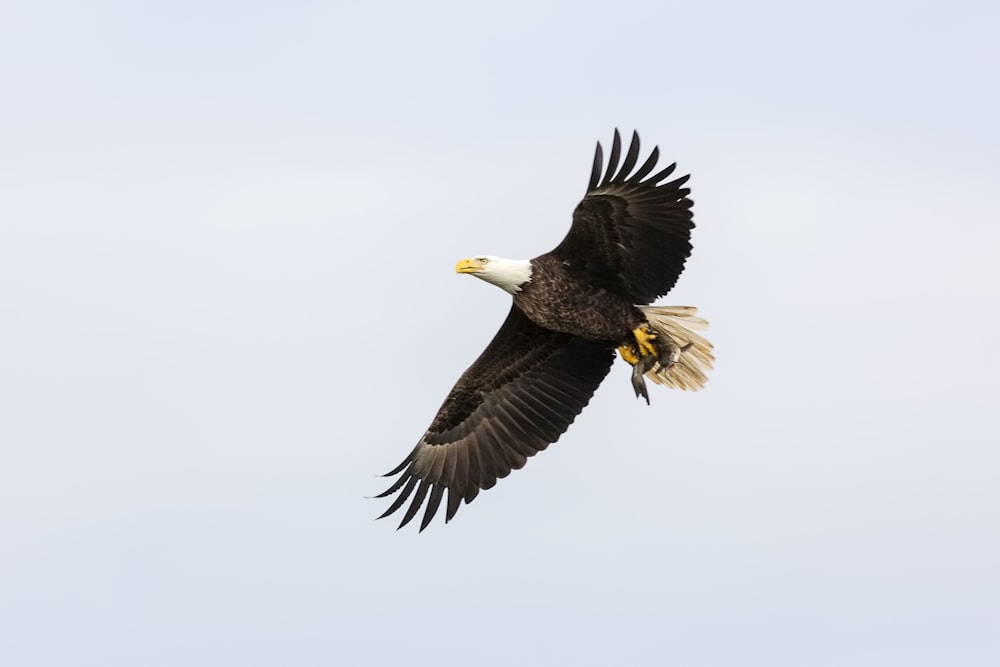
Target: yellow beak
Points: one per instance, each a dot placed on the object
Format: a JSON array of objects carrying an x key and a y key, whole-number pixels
[{"x": 468, "y": 266}]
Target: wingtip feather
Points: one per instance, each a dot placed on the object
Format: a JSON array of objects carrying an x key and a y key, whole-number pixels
[
  {"x": 630, "y": 159},
  {"x": 616, "y": 150},
  {"x": 595, "y": 171},
  {"x": 401, "y": 498}
]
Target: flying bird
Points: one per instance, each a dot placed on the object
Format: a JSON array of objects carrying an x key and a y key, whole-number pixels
[{"x": 572, "y": 309}]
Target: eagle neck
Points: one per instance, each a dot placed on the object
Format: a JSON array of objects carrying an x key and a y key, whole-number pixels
[{"x": 512, "y": 276}]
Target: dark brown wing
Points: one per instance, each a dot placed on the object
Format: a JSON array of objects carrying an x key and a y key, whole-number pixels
[
  {"x": 630, "y": 236},
  {"x": 519, "y": 396}
]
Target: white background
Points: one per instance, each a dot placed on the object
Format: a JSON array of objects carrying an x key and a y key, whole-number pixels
[{"x": 228, "y": 234}]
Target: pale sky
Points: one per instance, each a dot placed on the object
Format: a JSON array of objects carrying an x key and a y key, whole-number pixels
[{"x": 228, "y": 233}]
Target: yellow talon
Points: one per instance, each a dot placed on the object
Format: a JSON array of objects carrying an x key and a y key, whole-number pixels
[
  {"x": 628, "y": 355},
  {"x": 644, "y": 337}
]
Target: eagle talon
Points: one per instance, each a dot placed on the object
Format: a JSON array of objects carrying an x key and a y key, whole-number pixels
[
  {"x": 629, "y": 354},
  {"x": 644, "y": 338}
]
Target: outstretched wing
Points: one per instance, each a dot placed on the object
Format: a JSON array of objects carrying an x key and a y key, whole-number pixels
[
  {"x": 630, "y": 236},
  {"x": 519, "y": 396}
]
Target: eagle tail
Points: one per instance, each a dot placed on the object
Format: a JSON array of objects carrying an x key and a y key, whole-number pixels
[{"x": 692, "y": 354}]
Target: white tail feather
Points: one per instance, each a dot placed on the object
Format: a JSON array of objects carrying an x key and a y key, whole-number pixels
[{"x": 694, "y": 353}]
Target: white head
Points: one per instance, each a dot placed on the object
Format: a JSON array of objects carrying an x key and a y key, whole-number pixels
[{"x": 507, "y": 274}]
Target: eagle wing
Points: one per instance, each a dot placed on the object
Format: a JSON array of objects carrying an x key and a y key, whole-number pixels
[
  {"x": 520, "y": 395},
  {"x": 630, "y": 236}
]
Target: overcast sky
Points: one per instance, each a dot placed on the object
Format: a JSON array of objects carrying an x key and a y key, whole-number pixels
[{"x": 228, "y": 233}]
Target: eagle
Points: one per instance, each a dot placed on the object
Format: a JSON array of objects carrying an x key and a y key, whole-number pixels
[{"x": 572, "y": 309}]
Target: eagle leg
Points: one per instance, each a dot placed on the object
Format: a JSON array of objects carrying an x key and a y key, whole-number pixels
[
  {"x": 629, "y": 353},
  {"x": 644, "y": 337}
]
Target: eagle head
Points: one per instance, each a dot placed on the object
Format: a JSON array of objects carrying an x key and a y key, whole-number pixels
[{"x": 509, "y": 275}]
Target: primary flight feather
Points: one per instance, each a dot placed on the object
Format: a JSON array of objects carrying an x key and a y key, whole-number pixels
[{"x": 572, "y": 308}]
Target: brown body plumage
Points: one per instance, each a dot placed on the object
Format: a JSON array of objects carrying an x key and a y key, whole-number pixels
[{"x": 560, "y": 298}]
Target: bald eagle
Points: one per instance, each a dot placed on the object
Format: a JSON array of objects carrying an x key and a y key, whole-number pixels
[{"x": 572, "y": 308}]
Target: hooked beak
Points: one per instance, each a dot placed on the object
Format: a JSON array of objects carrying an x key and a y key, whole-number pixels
[{"x": 468, "y": 266}]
